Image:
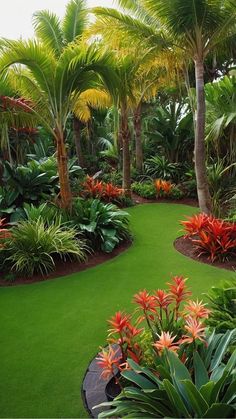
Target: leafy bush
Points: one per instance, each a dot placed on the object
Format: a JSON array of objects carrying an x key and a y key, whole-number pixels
[
  {"x": 48, "y": 212},
  {"x": 158, "y": 189},
  {"x": 103, "y": 224},
  {"x": 172, "y": 390},
  {"x": 145, "y": 190},
  {"x": 160, "y": 167},
  {"x": 33, "y": 246},
  {"x": 190, "y": 372},
  {"x": 211, "y": 236},
  {"x": 223, "y": 306}
]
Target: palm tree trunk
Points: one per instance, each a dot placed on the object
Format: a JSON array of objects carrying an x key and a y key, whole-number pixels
[
  {"x": 204, "y": 197},
  {"x": 77, "y": 126},
  {"x": 126, "y": 136},
  {"x": 138, "y": 137},
  {"x": 62, "y": 160}
]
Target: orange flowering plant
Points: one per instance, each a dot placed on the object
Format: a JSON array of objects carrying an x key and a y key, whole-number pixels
[
  {"x": 163, "y": 187},
  {"x": 163, "y": 320}
]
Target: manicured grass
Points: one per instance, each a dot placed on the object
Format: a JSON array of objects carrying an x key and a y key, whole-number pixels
[{"x": 50, "y": 330}]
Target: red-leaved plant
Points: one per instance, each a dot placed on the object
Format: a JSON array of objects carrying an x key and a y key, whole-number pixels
[
  {"x": 211, "y": 236},
  {"x": 163, "y": 187},
  {"x": 93, "y": 188},
  {"x": 170, "y": 318},
  {"x": 4, "y": 232}
]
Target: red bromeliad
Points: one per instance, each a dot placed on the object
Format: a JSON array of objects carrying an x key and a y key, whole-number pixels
[
  {"x": 109, "y": 359},
  {"x": 168, "y": 327},
  {"x": 166, "y": 341},
  {"x": 212, "y": 237},
  {"x": 197, "y": 310},
  {"x": 195, "y": 331},
  {"x": 163, "y": 187},
  {"x": 93, "y": 188}
]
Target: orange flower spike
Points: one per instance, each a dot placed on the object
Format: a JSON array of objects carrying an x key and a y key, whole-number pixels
[
  {"x": 178, "y": 289},
  {"x": 166, "y": 341},
  {"x": 197, "y": 310},
  {"x": 119, "y": 322},
  {"x": 166, "y": 186},
  {"x": 158, "y": 185},
  {"x": 107, "y": 360},
  {"x": 145, "y": 301},
  {"x": 195, "y": 330},
  {"x": 162, "y": 299}
]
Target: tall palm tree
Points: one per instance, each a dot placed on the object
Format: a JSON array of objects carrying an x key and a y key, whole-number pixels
[
  {"x": 53, "y": 83},
  {"x": 194, "y": 26}
]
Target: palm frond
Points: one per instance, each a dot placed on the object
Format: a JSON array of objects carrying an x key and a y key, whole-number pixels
[
  {"x": 48, "y": 31},
  {"x": 75, "y": 19}
]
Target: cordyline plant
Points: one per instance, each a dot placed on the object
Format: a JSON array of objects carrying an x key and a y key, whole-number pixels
[
  {"x": 192, "y": 373},
  {"x": 211, "y": 236},
  {"x": 93, "y": 188}
]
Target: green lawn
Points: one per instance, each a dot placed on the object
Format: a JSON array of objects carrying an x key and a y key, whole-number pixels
[{"x": 51, "y": 330}]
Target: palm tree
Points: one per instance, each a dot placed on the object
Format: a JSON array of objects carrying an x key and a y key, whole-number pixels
[
  {"x": 194, "y": 26},
  {"x": 13, "y": 113},
  {"x": 53, "y": 84},
  {"x": 57, "y": 35}
]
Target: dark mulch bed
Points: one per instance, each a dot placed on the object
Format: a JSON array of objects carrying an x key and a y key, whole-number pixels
[
  {"x": 68, "y": 267},
  {"x": 185, "y": 246},
  {"x": 184, "y": 201}
]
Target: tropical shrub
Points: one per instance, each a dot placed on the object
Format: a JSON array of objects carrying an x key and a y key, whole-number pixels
[
  {"x": 186, "y": 372},
  {"x": 211, "y": 236},
  {"x": 172, "y": 390},
  {"x": 104, "y": 225},
  {"x": 145, "y": 189},
  {"x": 157, "y": 189},
  {"x": 33, "y": 246},
  {"x": 160, "y": 167},
  {"x": 223, "y": 306}
]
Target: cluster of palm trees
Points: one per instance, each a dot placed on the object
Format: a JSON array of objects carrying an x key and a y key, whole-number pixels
[{"x": 121, "y": 59}]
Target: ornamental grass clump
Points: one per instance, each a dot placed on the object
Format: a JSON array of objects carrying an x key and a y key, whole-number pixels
[
  {"x": 170, "y": 364},
  {"x": 211, "y": 236},
  {"x": 33, "y": 246}
]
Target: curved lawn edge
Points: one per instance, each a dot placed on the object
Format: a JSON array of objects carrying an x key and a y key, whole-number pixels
[
  {"x": 52, "y": 329},
  {"x": 64, "y": 268},
  {"x": 184, "y": 246}
]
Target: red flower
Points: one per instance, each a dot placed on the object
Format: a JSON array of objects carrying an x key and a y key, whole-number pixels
[
  {"x": 195, "y": 330},
  {"x": 178, "y": 290},
  {"x": 145, "y": 301},
  {"x": 107, "y": 360},
  {"x": 119, "y": 322},
  {"x": 166, "y": 341},
  {"x": 162, "y": 299},
  {"x": 197, "y": 310}
]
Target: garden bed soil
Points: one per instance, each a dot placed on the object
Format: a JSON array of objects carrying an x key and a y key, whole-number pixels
[
  {"x": 184, "y": 245},
  {"x": 184, "y": 201},
  {"x": 67, "y": 267}
]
